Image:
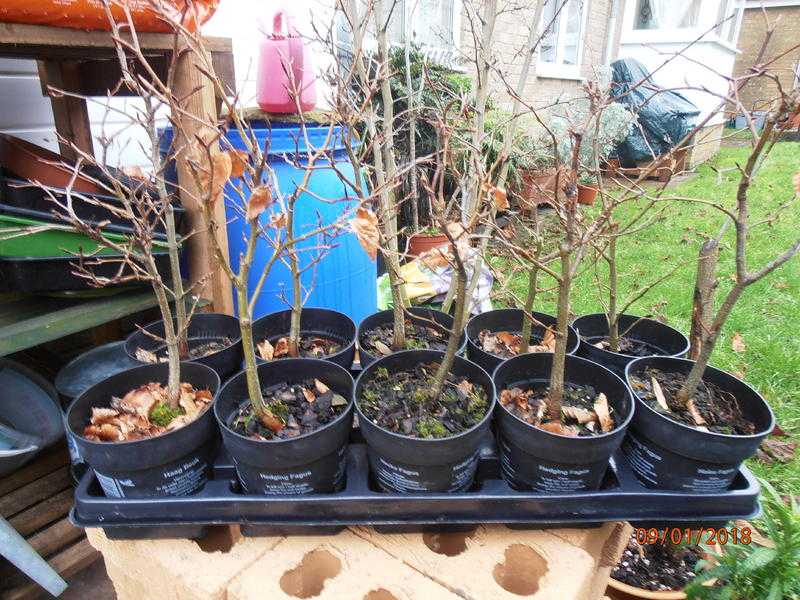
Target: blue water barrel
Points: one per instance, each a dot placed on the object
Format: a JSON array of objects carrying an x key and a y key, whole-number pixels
[{"x": 345, "y": 278}]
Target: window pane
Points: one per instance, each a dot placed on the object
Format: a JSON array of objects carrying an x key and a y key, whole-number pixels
[
  {"x": 433, "y": 23},
  {"x": 666, "y": 14},
  {"x": 550, "y": 19},
  {"x": 572, "y": 33}
]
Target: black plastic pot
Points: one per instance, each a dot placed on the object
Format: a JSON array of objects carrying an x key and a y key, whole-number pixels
[
  {"x": 669, "y": 455},
  {"x": 177, "y": 463},
  {"x": 506, "y": 319},
  {"x": 203, "y": 328},
  {"x": 385, "y": 317},
  {"x": 400, "y": 463},
  {"x": 534, "y": 459},
  {"x": 664, "y": 340},
  {"x": 313, "y": 321},
  {"x": 313, "y": 463}
]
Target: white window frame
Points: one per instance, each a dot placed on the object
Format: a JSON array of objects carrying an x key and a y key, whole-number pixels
[
  {"x": 557, "y": 69},
  {"x": 707, "y": 17}
]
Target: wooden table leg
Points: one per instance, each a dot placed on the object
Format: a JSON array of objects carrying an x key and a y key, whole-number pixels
[
  {"x": 70, "y": 114},
  {"x": 198, "y": 100}
]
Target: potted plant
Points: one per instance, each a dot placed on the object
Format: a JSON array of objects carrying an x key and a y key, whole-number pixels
[
  {"x": 561, "y": 417},
  {"x": 147, "y": 431},
  {"x": 614, "y": 338},
  {"x": 695, "y": 424},
  {"x": 587, "y": 189},
  {"x": 424, "y": 413},
  {"x": 660, "y": 571}
]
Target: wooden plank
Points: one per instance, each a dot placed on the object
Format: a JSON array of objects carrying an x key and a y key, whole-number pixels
[
  {"x": 41, "y": 41},
  {"x": 41, "y": 514},
  {"x": 69, "y": 561},
  {"x": 50, "y": 460},
  {"x": 198, "y": 121},
  {"x": 58, "y": 535},
  {"x": 34, "y": 492},
  {"x": 70, "y": 114},
  {"x": 50, "y": 320}
]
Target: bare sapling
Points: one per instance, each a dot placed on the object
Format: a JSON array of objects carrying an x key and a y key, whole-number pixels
[
  {"x": 783, "y": 107},
  {"x": 269, "y": 212}
]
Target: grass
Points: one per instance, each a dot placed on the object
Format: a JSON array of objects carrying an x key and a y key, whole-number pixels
[{"x": 766, "y": 315}]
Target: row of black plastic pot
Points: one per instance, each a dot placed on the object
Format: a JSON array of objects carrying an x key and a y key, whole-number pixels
[{"x": 663, "y": 453}]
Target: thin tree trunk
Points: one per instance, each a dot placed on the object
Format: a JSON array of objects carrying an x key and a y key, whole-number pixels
[
  {"x": 177, "y": 283},
  {"x": 170, "y": 339},
  {"x": 613, "y": 282},
  {"x": 412, "y": 136},
  {"x": 527, "y": 321},
  {"x": 556, "y": 391},
  {"x": 689, "y": 387},
  {"x": 704, "y": 290},
  {"x": 250, "y": 363},
  {"x": 453, "y": 343},
  {"x": 297, "y": 289}
]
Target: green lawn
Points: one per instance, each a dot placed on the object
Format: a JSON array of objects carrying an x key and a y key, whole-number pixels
[{"x": 766, "y": 315}]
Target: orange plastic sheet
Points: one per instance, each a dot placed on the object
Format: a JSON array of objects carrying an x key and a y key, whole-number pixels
[{"x": 91, "y": 14}]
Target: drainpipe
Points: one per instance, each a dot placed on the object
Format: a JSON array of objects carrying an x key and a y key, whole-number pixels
[{"x": 612, "y": 32}]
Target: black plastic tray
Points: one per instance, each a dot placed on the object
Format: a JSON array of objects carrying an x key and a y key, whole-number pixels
[
  {"x": 21, "y": 194},
  {"x": 490, "y": 500}
]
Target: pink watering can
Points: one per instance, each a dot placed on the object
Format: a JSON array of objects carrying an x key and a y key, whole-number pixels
[{"x": 285, "y": 65}]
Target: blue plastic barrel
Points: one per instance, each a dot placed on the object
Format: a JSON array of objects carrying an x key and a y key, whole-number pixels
[{"x": 345, "y": 278}]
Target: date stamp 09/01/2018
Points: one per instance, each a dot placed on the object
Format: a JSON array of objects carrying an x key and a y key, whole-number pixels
[{"x": 688, "y": 535}]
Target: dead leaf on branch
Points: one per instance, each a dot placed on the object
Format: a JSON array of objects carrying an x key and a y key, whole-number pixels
[
  {"x": 737, "y": 343},
  {"x": 278, "y": 221},
  {"x": 498, "y": 194},
  {"x": 260, "y": 200},
  {"x": 239, "y": 160},
  {"x": 365, "y": 226}
]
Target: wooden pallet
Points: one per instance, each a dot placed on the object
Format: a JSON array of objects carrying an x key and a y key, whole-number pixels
[{"x": 36, "y": 500}]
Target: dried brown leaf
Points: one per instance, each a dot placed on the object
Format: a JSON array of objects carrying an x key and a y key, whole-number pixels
[
  {"x": 559, "y": 428},
  {"x": 265, "y": 350},
  {"x": 382, "y": 348},
  {"x": 281, "y": 348},
  {"x": 321, "y": 387},
  {"x": 659, "y": 394},
  {"x": 576, "y": 413},
  {"x": 270, "y": 421},
  {"x": 259, "y": 201},
  {"x": 510, "y": 340},
  {"x": 737, "y": 343},
  {"x": 278, "y": 221},
  {"x": 696, "y": 416},
  {"x": 465, "y": 386},
  {"x": 146, "y": 356},
  {"x": 498, "y": 194},
  {"x": 603, "y": 413},
  {"x": 238, "y": 162},
  {"x": 775, "y": 450},
  {"x": 365, "y": 226},
  {"x": 309, "y": 395}
]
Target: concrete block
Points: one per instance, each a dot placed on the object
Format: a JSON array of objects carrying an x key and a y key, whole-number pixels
[
  {"x": 185, "y": 569},
  {"x": 495, "y": 562},
  {"x": 338, "y": 567}
]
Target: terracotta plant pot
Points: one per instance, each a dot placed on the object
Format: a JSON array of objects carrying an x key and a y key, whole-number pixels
[
  {"x": 617, "y": 590},
  {"x": 538, "y": 187},
  {"x": 586, "y": 194},
  {"x": 29, "y": 161},
  {"x": 419, "y": 243}
]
